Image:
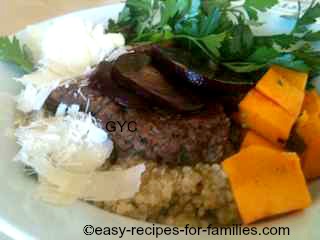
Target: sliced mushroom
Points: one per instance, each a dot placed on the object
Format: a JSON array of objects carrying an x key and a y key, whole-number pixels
[
  {"x": 199, "y": 74},
  {"x": 102, "y": 81},
  {"x": 135, "y": 72}
]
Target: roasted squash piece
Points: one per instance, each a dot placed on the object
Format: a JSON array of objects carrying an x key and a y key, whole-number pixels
[
  {"x": 266, "y": 182},
  {"x": 308, "y": 128},
  {"x": 265, "y": 117},
  {"x": 281, "y": 91},
  {"x": 311, "y": 103},
  {"x": 311, "y": 160},
  {"x": 253, "y": 139},
  {"x": 297, "y": 79}
]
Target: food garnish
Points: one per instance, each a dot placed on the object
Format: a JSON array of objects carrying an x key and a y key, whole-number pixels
[
  {"x": 12, "y": 51},
  {"x": 69, "y": 48},
  {"x": 38, "y": 86},
  {"x": 66, "y": 152},
  {"x": 222, "y": 32}
]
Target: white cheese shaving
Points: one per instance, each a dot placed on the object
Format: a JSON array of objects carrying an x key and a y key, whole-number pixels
[
  {"x": 66, "y": 152},
  {"x": 32, "y": 37},
  {"x": 38, "y": 87},
  {"x": 119, "y": 180},
  {"x": 70, "y": 47},
  {"x": 101, "y": 186}
]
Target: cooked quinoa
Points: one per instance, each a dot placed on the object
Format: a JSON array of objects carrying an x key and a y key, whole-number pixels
[{"x": 198, "y": 196}]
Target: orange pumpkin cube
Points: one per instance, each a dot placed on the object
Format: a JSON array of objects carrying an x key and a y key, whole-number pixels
[
  {"x": 266, "y": 182},
  {"x": 297, "y": 79},
  {"x": 311, "y": 160},
  {"x": 311, "y": 103},
  {"x": 309, "y": 129},
  {"x": 253, "y": 139},
  {"x": 281, "y": 91},
  {"x": 265, "y": 117}
]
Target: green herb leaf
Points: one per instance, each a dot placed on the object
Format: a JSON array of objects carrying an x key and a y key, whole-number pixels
[
  {"x": 263, "y": 55},
  {"x": 309, "y": 17},
  {"x": 213, "y": 43},
  {"x": 285, "y": 40},
  {"x": 252, "y": 13},
  {"x": 310, "y": 57},
  {"x": 209, "y": 5},
  {"x": 312, "y": 36},
  {"x": 238, "y": 43},
  {"x": 243, "y": 67},
  {"x": 166, "y": 34},
  {"x": 205, "y": 28},
  {"x": 252, "y": 6},
  {"x": 290, "y": 61},
  {"x": 261, "y": 5},
  {"x": 210, "y": 23},
  {"x": 12, "y": 51},
  {"x": 188, "y": 27},
  {"x": 168, "y": 10}
]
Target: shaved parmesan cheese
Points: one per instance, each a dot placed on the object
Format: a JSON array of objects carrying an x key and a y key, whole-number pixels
[
  {"x": 32, "y": 37},
  {"x": 66, "y": 152},
  {"x": 70, "y": 47},
  {"x": 71, "y": 141},
  {"x": 38, "y": 87},
  {"x": 101, "y": 186},
  {"x": 51, "y": 194},
  {"x": 120, "y": 184}
]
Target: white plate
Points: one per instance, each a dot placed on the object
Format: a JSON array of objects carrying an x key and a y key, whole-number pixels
[{"x": 23, "y": 217}]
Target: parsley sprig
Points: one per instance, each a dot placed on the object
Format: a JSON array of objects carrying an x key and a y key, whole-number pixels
[
  {"x": 221, "y": 30},
  {"x": 12, "y": 51}
]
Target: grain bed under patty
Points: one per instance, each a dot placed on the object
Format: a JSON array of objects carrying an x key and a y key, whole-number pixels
[{"x": 180, "y": 195}]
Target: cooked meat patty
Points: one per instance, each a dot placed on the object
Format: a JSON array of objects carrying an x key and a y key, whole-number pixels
[
  {"x": 74, "y": 94},
  {"x": 169, "y": 137},
  {"x": 160, "y": 135}
]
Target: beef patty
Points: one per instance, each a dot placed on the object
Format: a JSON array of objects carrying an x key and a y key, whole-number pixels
[{"x": 160, "y": 135}]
